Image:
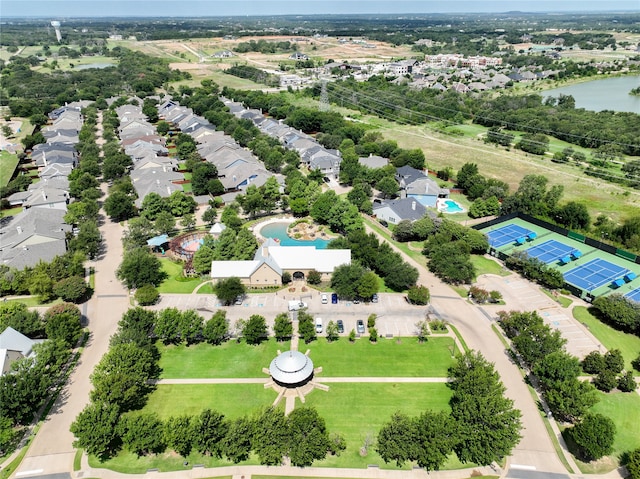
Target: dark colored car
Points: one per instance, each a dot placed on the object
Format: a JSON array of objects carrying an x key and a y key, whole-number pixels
[
  {"x": 334, "y": 298},
  {"x": 340, "y": 326},
  {"x": 356, "y": 300},
  {"x": 360, "y": 326}
]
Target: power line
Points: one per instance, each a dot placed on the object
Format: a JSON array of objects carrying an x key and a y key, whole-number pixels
[{"x": 514, "y": 126}]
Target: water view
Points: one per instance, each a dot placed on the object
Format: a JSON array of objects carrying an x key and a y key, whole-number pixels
[
  {"x": 605, "y": 94},
  {"x": 278, "y": 231}
]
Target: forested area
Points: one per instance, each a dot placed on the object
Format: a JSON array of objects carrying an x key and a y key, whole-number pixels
[
  {"x": 528, "y": 113},
  {"x": 28, "y": 92}
]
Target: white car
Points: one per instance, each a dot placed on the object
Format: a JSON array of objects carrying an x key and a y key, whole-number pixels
[
  {"x": 324, "y": 299},
  {"x": 318, "y": 325}
]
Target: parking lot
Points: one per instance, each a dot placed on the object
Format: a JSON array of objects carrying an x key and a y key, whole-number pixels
[{"x": 395, "y": 317}]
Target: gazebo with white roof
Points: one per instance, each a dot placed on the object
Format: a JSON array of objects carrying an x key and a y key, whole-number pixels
[{"x": 291, "y": 369}]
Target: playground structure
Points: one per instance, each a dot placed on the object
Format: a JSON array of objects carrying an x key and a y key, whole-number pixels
[{"x": 184, "y": 246}]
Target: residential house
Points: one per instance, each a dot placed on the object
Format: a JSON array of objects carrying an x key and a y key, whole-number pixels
[
  {"x": 373, "y": 161},
  {"x": 33, "y": 235},
  {"x": 298, "y": 56},
  {"x": 14, "y": 346},
  {"x": 395, "y": 211},
  {"x": 415, "y": 184}
]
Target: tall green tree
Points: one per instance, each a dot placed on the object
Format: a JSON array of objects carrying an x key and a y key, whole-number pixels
[
  {"x": 209, "y": 429},
  {"x": 140, "y": 267},
  {"x": 95, "y": 429},
  {"x": 308, "y": 436},
  {"x": 487, "y": 423},
  {"x": 142, "y": 434}
]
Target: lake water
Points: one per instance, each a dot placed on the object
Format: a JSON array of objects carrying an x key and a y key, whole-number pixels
[
  {"x": 279, "y": 231},
  {"x": 605, "y": 94},
  {"x": 87, "y": 66}
]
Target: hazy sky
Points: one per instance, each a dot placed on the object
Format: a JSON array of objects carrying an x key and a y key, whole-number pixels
[{"x": 184, "y": 8}]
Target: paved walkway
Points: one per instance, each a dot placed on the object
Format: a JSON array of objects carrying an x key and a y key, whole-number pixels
[{"x": 322, "y": 379}]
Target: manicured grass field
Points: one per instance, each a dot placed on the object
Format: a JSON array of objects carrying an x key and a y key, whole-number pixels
[
  {"x": 359, "y": 410},
  {"x": 401, "y": 357},
  {"x": 175, "y": 282},
  {"x": 8, "y": 163},
  {"x": 229, "y": 360},
  {"x": 488, "y": 266},
  {"x": 624, "y": 410},
  {"x": 128, "y": 463},
  {"x": 628, "y": 344},
  {"x": 232, "y": 400}
]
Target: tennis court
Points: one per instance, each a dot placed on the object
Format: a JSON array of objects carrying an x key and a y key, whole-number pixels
[
  {"x": 634, "y": 295},
  {"x": 550, "y": 251},
  {"x": 507, "y": 234},
  {"x": 594, "y": 274}
]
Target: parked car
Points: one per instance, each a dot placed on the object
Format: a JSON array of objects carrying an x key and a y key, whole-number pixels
[
  {"x": 340, "y": 326},
  {"x": 360, "y": 326},
  {"x": 334, "y": 298},
  {"x": 239, "y": 300},
  {"x": 356, "y": 300},
  {"x": 324, "y": 299},
  {"x": 374, "y": 298},
  {"x": 318, "y": 325}
]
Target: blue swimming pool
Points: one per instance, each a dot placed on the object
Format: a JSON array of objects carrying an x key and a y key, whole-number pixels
[
  {"x": 279, "y": 231},
  {"x": 452, "y": 207}
]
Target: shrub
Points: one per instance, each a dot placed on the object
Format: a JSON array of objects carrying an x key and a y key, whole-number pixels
[
  {"x": 373, "y": 335},
  {"x": 626, "y": 382},
  {"x": 147, "y": 295},
  {"x": 352, "y": 335},
  {"x": 371, "y": 320},
  {"x": 593, "y": 363},
  {"x": 419, "y": 295},
  {"x": 605, "y": 381},
  {"x": 633, "y": 464},
  {"x": 479, "y": 295},
  {"x": 314, "y": 277},
  {"x": 496, "y": 296},
  {"x": 438, "y": 325},
  {"x": 614, "y": 361}
]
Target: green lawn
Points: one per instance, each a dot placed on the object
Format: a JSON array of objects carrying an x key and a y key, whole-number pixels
[
  {"x": 359, "y": 410},
  {"x": 628, "y": 344},
  {"x": 229, "y": 360},
  {"x": 488, "y": 266},
  {"x": 232, "y": 400},
  {"x": 8, "y": 163},
  {"x": 176, "y": 282},
  {"x": 624, "y": 410},
  {"x": 128, "y": 463},
  {"x": 362, "y": 358},
  {"x": 10, "y": 211}
]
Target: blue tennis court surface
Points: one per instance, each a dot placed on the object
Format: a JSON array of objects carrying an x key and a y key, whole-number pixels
[
  {"x": 634, "y": 295},
  {"x": 594, "y": 274},
  {"x": 550, "y": 251},
  {"x": 507, "y": 234}
]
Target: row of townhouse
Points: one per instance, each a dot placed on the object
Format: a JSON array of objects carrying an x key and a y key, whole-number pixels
[
  {"x": 38, "y": 232},
  {"x": 237, "y": 166},
  {"x": 313, "y": 155},
  {"x": 153, "y": 170}
]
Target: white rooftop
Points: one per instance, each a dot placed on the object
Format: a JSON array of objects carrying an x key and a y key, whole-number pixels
[{"x": 291, "y": 367}]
